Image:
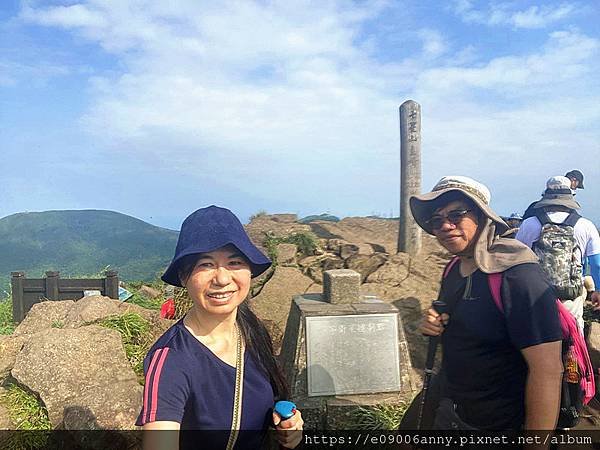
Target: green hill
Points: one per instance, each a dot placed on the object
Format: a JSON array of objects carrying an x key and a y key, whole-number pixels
[{"x": 83, "y": 242}]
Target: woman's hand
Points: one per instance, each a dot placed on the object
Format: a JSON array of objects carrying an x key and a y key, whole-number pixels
[
  {"x": 289, "y": 431},
  {"x": 433, "y": 323}
]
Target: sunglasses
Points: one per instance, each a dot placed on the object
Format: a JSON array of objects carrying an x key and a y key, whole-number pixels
[{"x": 454, "y": 217}]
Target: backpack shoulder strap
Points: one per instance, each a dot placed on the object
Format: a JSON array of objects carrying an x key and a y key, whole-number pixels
[
  {"x": 495, "y": 284},
  {"x": 542, "y": 216},
  {"x": 449, "y": 266},
  {"x": 572, "y": 218}
]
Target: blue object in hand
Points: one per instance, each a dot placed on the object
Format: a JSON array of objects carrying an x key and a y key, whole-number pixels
[{"x": 285, "y": 409}]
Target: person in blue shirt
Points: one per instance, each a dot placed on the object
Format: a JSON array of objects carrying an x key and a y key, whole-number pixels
[{"x": 220, "y": 348}]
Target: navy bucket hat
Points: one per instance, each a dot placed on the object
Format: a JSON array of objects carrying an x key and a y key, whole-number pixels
[{"x": 209, "y": 229}]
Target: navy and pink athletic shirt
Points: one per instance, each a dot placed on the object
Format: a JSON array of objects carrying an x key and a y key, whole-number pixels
[{"x": 189, "y": 384}]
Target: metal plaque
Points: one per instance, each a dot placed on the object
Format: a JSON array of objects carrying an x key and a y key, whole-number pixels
[{"x": 352, "y": 354}]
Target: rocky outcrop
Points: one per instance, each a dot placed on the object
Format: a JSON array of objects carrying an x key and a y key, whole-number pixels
[
  {"x": 81, "y": 369},
  {"x": 273, "y": 303},
  {"x": 77, "y": 368}
]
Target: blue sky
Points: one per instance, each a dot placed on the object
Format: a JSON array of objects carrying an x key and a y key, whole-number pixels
[{"x": 155, "y": 109}]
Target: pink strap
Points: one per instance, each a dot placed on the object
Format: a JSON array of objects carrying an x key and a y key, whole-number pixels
[
  {"x": 495, "y": 283},
  {"x": 569, "y": 327},
  {"x": 449, "y": 266}
]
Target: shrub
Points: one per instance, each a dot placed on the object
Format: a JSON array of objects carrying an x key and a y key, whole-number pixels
[
  {"x": 306, "y": 242},
  {"x": 378, "y": 417},
  {"x": 7, "y": 326}
]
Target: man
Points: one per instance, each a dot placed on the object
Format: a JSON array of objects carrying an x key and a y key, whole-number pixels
[
  {"x": 501, "y": 371},
  {"x": 558, "y": 206},
  {"x": 576, "y": 178}
]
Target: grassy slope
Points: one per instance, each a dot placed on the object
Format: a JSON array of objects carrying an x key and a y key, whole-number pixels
[{"x": 82, "y": 243}]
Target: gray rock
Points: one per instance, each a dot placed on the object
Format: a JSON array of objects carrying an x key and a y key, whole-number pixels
[
  {"x": 43, "y": 316},
  {"x": 594, "y": 343},
  {"x": 366, "y": 264},
  {"x": 150, "y": 292},
  {"x": 347, "y": 250},
  {"x": 92, "y": 309},
  {"x": 331, "y": 263},
  {"x": 10, "y": 346},
  {"x": 273, "y": 302},
  {"x": 341, "y": 286},
  {"x": 393, "y": 272},
  {"x": 79, "y": 370},
  {"x": 286, "y": 254}
]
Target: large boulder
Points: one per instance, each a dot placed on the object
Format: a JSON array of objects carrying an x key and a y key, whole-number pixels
[
  {"x": 366, "y": 264},
  {"x": 393, "y": 272},
  {"x": 10, "y": 346},
  {"x": 43, "y": 316},
  {"x": 95, "y": 308},
  {"x": 273, "y": 303},
  {"x": 85, "y": 370}
]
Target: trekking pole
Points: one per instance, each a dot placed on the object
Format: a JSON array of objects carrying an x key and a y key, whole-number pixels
[{"x": 440, "y": 307}]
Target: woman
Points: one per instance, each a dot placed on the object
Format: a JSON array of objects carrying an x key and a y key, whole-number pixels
[
  {"x": 502, "y": 370},
  {"x": 214, "y": 369}
]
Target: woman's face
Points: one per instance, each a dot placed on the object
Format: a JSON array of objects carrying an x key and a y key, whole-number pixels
[
  {"x": 220, "y": 281},
  {"x": 458, "y": 237}
]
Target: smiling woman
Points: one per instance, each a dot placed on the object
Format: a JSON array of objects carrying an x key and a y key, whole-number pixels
[{"x": 199, "y": 371}]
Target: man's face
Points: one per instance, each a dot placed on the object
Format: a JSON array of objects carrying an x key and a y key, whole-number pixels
[
  {"x": 574, "y": 183},
  {"x": 456, "y": 236}
]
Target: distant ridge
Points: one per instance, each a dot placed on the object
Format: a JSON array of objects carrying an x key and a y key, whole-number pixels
[{"x": 83, "y": 242}]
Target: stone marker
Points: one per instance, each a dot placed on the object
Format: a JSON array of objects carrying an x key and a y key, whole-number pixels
[
  {"x": 352, "y": 354},
  {"x": 343, "y": 354},
  {"x": 409, "y": 234},
  {"x": 341, "y": 286}
]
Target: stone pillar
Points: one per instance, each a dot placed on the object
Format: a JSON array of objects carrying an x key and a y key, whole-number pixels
[
  {"x": 16, "y": 280},
  {"x": 341, "y": 286},
  {"x": 409, "y": 235},
  {"x": 111, "y": 284},
  {"x": 52, "y": 278}
]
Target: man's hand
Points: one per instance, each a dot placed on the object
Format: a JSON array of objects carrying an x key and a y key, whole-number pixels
[{"x": 433, "y": 323}]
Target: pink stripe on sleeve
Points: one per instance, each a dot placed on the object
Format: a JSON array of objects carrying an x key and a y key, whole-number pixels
[
  {"x": 148, "y": 378},
  {"x": 159, "y": 367}
]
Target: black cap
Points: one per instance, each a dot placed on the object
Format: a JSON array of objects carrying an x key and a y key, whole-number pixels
[{"x": 577, "y": 175}]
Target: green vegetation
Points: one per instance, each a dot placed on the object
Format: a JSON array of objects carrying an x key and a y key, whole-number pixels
[
  {"x": 82, "y": 242},
  {"x": 378, "y": 417},
  {"x": 326, "y": 217},
  {"x": 141, "y": 300},
  {"x": 25, "y": 409},
  {"x": 136, "y": 337},
  {"x": 306, "y": 242},
  {"x": 7, "y": 326},
  {"x": 57, "y": 324}
]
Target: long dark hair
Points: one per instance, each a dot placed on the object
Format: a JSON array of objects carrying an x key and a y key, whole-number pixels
[{"x": 255, "y": 334}]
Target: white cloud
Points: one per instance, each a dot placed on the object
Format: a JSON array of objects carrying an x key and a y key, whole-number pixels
[
  {"x": 433, "y": 43},
  {"x": 503, "y": 14},
  {"x": 13, "y": 73},
  {"x": 288, "y": 92}
]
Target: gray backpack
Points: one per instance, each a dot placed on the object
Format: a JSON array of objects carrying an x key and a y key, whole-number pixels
[{"x": 557, "y": 250}]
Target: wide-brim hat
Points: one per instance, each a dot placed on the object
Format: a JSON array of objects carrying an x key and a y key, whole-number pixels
[
  {"x": 558, "y": 193},
  {"x": 209, "y": 229},
  {"x": 424, "y": 205}
]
